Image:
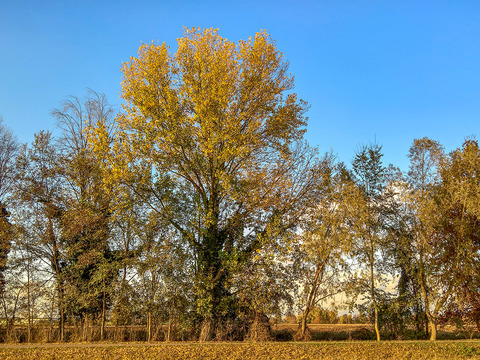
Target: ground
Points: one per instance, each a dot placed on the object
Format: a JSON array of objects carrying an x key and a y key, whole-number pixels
[{"x": 244, "y": 351}]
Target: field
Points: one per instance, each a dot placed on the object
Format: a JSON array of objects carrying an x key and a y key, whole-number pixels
[{"x": 244, "y": 351}]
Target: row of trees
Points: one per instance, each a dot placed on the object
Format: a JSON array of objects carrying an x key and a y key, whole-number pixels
[{"x": 200, "y": 209}]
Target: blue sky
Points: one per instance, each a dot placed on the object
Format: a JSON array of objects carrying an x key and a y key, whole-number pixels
[{"x": 384, "y": 71}]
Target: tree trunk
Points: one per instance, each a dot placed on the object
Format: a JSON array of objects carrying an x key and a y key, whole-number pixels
[
  {"x": 85, "y": 327},
  {"x": 170, "y": 328},
  {"x": 52, "y": 310},
  {"x": 372, "y": 291},
  {"x": 303, "y": 327},
  {"x": 377, "y": 331},
  {"x": 10, "y": 326},
  {"x": 206, "y": 330},
  {"x": 260, "y": 328},
  {"x": 29, "y": 311},
  {"x": 432, "y": 320},
  {"x": 149, "y": 326},
  {"x": 55, "y": 263},
  {"x": 213, "y": 276},
  {"x": 426, "y": 323},
  {"x": 62, "y": 321},
  {"x": 102, "y": 329},
  {"x": 303, "y": 333}
]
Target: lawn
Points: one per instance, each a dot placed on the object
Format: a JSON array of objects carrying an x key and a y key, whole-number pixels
[{"x": 229, "y": 351}]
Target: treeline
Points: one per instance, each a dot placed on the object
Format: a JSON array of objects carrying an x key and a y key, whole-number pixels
[{"x": 199, "y": 212}]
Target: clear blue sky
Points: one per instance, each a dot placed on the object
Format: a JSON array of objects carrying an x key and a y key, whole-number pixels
[{"x": 389, "y": 71}]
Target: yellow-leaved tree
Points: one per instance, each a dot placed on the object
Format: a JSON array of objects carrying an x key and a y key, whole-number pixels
[{"x": 211, "y": 137}]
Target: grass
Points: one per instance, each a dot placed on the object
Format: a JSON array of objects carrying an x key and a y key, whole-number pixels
[{"x": 244, "y": 351}]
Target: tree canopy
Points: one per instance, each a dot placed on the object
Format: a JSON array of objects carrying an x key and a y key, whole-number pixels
[{"x": 216, "y": 128}]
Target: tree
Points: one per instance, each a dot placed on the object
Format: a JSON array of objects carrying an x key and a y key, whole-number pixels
[
  {"x": 126, "y": 234},
  {"x": 444, "y": 200},
  {"x": 265, "y": 287},
  {"x": 39, "y": 193},
  {"x": 425, "y": 156},
  {"x": 209, "y": 133},
  {"x": 163, "y": 277},
  {"x": 458, "y": 201},
  {"x": 408, "y": 306},
  {"x": 86, "y": 218},
  {"x": 326, "y": 238},
  {"x": 8, "y": 153},
  {"x": 370, "y": 177}
]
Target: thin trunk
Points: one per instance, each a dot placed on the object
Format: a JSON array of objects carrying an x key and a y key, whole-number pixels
[
  {"x": 52, "y": 310},
  {"x": 55, "y": 261},
  {"x": 377, "y": 331},
  {"x": 10, "y": 322},
  {"x": 372, "y": 291},
  {"x": 85, "y": 327},
  {"x": 169, "y": 331},
  {"x": 432, "y": 316},
  {"x": 62, "y": 312},
  {"x": 311, "y": 298},
  {"x": 29, "y": 314},
  {"x": 104, "y": 307},
  {"x": 29, "y": 334},
  {"x": 149, "y": 326},
  {"x": 171, "y": 319},
  {"x": 150, "y": 306}
]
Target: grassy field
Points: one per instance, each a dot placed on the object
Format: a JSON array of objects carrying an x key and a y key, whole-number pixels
[{"x": 244, "y": 351}]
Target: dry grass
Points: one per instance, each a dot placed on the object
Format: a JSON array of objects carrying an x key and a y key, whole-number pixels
[{"x": 245, "y": 351}]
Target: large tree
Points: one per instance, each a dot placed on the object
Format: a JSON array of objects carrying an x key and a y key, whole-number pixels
[
  {"x": 8, "y": 170},
  {"x": 86, "y": 218},
  {"x": 212, "y": 132},
  {"x": 39, "y": 193},
  {"x": 444, "y": 242},
  {"x": 457, "y": 233}
]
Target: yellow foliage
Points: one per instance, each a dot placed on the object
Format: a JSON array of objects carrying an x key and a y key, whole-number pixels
[{"x": 215, "y": 114}]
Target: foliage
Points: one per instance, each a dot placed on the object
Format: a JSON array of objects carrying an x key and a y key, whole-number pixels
[
  {"x": 207, "y": 138},
  {"x": 372, "y": 211},
  {"x": 444, "y": 232},
  {"x": 326, "y": 238}
]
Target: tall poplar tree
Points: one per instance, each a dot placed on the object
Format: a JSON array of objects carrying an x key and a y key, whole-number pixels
[{"x": 211, "y": 132}]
